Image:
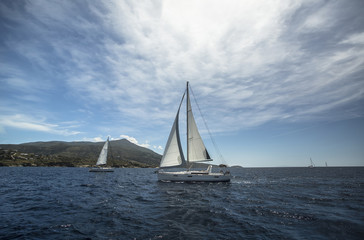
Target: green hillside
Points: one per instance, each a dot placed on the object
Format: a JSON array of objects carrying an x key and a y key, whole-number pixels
[{"x": 76, "y": 154}]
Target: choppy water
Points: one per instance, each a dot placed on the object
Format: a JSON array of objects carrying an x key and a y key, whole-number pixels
[{"x": 261, "y": 203}]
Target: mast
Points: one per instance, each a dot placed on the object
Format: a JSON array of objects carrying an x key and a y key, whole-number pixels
[{"x": 188, "y": 99}]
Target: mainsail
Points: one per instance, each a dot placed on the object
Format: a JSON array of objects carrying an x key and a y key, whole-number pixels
[
  {"x": 195, "y": 147},
  {"x": 103, "y": 154}
]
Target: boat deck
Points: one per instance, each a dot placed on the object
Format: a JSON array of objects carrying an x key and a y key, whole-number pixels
[{"x": 187, "y": 176}]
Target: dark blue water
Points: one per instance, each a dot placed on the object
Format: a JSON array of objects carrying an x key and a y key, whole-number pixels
[{"x": 265, "y": 203}]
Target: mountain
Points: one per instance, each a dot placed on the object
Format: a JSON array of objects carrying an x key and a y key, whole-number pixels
[{"x": 74, "y": 154}]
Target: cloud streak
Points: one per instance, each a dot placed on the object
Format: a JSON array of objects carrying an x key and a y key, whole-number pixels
[{"x": 20, "y": 121}]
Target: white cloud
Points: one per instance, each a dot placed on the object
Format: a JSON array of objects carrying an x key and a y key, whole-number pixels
[
  {"x": 152, "y": 64},
  {"x": 146, "y": 145},
  {"x": 24, "y": 122},
  {"x": 98, "y": 139},
  {"x": 133, "y": 140},
  {"x": 319, "y": 20},
  {"x": 130, "y": 139},
  {"x": 234, "y": 53},
  {"x": 357, "y": 38},
  {"x": 158, "y": 148},
  {"x": 95, "y": 139}
]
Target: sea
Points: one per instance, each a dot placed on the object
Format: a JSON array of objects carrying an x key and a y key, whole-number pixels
[{"x": 259, "y": 203}]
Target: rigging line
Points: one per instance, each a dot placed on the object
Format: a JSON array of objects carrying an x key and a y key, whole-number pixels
[{"x": 208, "y": 130}]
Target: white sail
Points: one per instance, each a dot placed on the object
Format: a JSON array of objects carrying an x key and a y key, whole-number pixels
[
  {"x": 195, "y": 147},
  {"x": 173, "y": 155},
  {"x": 196, "y": 152},
  {"x": 103, "y": 154}
]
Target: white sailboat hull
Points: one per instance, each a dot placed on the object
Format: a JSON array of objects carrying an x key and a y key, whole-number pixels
[
  {"x": 101, "y": 169},
  {"x": 193, "y": 176}
]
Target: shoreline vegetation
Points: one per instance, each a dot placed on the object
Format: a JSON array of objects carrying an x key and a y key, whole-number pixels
[
  {"x": 76, "y": 154},
  {"x": 13, "y": 158}
]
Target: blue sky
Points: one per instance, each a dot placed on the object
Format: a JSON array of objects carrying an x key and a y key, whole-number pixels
[{"x": 277, "y": 82}]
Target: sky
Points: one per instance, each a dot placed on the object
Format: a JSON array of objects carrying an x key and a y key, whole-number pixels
[{"x": 277, "y": 82}]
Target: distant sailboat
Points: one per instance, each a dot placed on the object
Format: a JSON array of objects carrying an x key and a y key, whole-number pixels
[
  {"x": 326, "y": 164},
  {"x": 312, "y": 165},
  {"x": 101, "y": 161},
  {"x": 196, "y": 152}
]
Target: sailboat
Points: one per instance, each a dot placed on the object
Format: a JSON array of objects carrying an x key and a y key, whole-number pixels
[
  {"x": 101, "y": 161},
  {"x": 173, "y": 156},
  {"x": 312, "y": 165}
]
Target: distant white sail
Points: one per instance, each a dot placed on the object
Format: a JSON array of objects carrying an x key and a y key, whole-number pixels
[
  {"x": 173, "y": 155},
  {"x": 196, "y": 149},
  {"x": 103, "y": 154}
]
